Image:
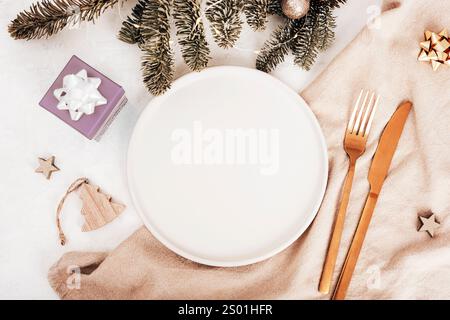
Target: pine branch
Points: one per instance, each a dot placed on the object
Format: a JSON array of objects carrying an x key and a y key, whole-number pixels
[
  {"x": 47, "y": 17},
  {"x": 274, "y": 7},
  {"x": 256, "y": 12},
  {"x": 315, "y": 34},
  {"x": 157, "y": 59},
  {"x": 130, "y": 31},
  {"x": 226, "y": 24},
  {"x": 326, "y": 24},
  {"x": 305, "y": 37},
  {"x": 334, "y": 4},
  {"x": 191, "y": 33},
  {"x": 304, "y": 46},
  {"x": 275, "y": 49}
]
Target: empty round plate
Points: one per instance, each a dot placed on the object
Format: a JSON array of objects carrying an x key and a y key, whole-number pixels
[{"x": 228, "y": 167}]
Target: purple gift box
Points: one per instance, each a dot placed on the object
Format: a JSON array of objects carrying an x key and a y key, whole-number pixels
[{"x": 92, "y": 126}]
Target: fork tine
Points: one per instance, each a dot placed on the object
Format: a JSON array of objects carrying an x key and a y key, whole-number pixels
[
  {"x": 372, "y": 114},
  {"x": 352, "y": 118},
  {"x": 366, "y": 114},
  {"x": 358, "y": 120}
]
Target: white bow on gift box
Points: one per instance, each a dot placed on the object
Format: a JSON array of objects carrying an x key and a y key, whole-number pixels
[{"x": 79, "y": 95}]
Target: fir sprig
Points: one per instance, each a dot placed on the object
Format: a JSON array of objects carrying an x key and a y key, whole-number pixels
[
  {"x": 305, "y": 37},
  {"x": 304, "y": 45},
  {"x": 149, "y": 27},
  {"x": 157, "y": 59},
  {"x": 274, "y": 7},
  {"x": 191, "y": 33},
  {"x": 131, "y": 28},
  {"x": 256, "y": 12},
  {"x": 334, "y": 4},
  {"x": 47, "y": 17},
  {"x": 326, "y": 23},
  {"x": 225, "y": 21},
  {"x": 275, "y": 49}
]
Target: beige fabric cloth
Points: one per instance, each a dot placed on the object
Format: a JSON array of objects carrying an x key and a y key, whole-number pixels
[{"x": 396, "y": 260}]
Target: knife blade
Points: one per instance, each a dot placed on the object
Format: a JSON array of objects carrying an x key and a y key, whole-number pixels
[
  {"x": 377, "y": 174},
  {"x": 387, "y": 146}
]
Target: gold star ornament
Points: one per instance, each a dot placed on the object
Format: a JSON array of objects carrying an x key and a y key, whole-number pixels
[
  {"x": 435, "y": 49},
  {"x": 429, "y": 224},
  {"x": 47, "y": 166}
]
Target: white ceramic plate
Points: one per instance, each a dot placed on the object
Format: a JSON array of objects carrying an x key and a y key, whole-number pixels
[{"x": 228, "y": 168}]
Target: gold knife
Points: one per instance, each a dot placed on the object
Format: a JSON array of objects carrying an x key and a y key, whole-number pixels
[{"x": 377, "y": 174}]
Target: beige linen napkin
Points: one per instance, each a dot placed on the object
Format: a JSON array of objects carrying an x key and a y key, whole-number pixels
[{"x": 396, "y": 260}]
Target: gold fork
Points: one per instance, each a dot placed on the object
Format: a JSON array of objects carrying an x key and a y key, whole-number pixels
[{"x": 354, "y": 145}]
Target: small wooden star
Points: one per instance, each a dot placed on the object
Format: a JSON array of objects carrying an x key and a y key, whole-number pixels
[
  {"x": 429, "y": 224},
  {"x": 46, "y": 166}
]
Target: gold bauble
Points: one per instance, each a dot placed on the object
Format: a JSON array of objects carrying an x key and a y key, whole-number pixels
[{"x": 295, "y": 9}]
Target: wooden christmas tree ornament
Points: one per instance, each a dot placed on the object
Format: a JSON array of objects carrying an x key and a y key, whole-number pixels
[{"x": 98, "y": 209}]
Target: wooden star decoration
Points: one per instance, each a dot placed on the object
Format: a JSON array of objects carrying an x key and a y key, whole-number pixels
[
  {"x": 47, "y": 166},
  {"x": 429, "y": 224}
]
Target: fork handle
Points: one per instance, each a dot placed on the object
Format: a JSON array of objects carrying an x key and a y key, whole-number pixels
[
  {"x": 333, "y": 247},
  {"x": 355, "y": 248}
]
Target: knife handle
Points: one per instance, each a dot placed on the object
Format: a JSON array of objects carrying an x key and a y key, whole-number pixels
[{"x": 355, "y": 248}]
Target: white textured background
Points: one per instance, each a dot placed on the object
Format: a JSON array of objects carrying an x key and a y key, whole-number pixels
[{"x": 28, "y": 236}]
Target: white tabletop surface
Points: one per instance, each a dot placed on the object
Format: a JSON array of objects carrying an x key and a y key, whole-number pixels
[{"x": 28, "y": 236}]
